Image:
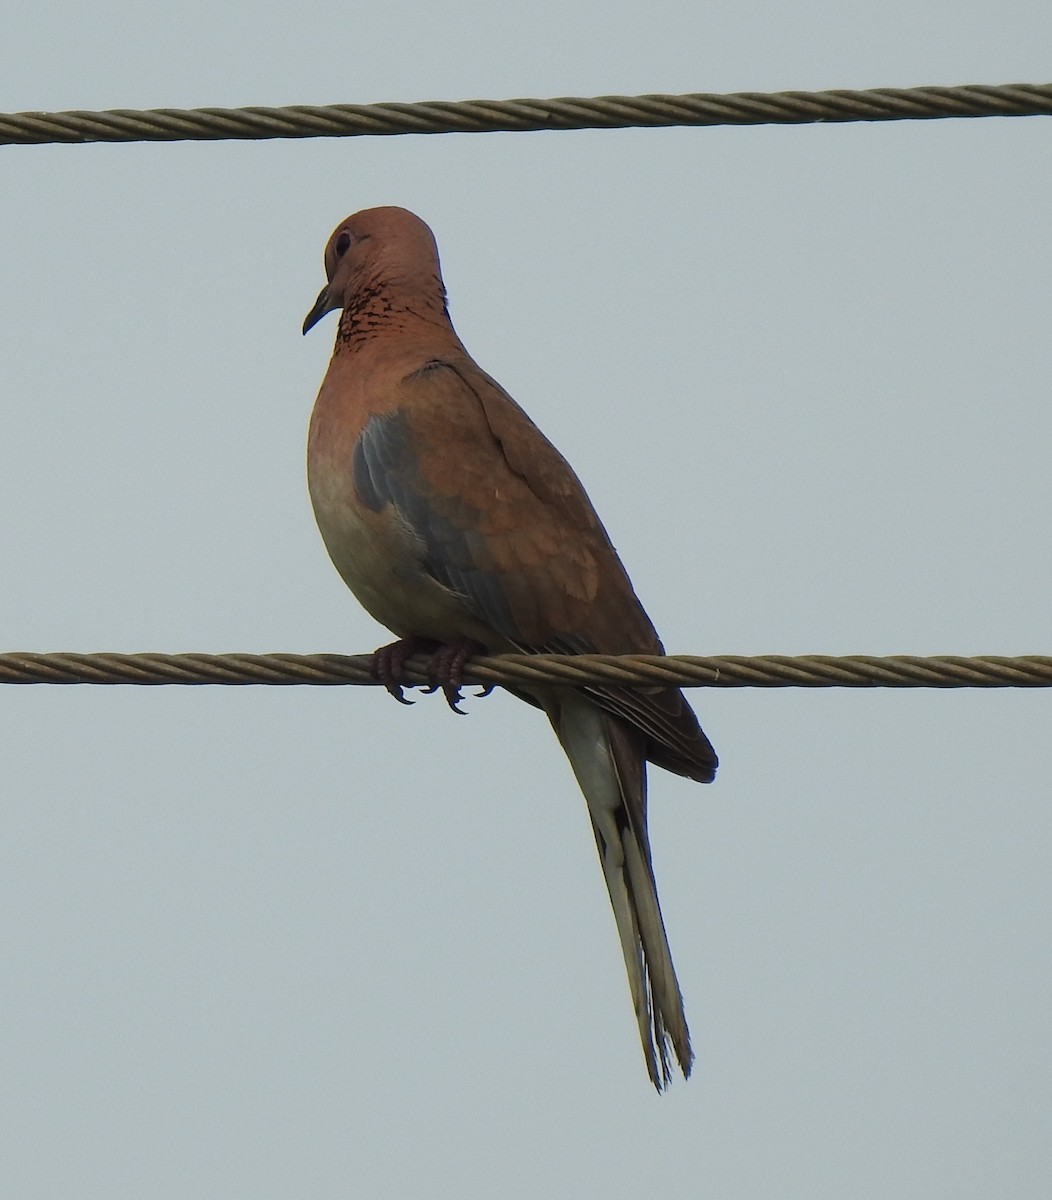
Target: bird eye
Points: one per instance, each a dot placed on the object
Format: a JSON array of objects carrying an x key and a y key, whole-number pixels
[{"x": 343, "y": 244}]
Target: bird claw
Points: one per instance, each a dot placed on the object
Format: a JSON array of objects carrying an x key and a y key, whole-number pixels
[
  {"x": 445, "y": 670},
  {"x": 388, "y": 664}
]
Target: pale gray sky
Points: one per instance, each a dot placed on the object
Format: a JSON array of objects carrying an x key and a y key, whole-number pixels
[{"x": 274, "y": 943}]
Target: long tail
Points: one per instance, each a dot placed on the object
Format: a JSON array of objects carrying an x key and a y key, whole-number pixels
[{"x": 607, "y": 758}]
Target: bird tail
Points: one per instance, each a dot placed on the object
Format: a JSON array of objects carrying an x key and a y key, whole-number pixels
[{"x": 608, "y": 759}]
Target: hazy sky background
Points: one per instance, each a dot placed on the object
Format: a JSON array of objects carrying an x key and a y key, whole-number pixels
[{"x": 272, "y": 943}]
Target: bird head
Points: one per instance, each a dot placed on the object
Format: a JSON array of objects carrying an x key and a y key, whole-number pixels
[{"x": 372, "y": 249}]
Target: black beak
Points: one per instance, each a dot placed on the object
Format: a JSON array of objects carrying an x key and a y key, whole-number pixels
[{"x": 324, "y": 304}]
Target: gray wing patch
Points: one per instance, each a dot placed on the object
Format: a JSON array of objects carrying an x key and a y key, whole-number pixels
[
  {"x": 385, "y": 471},
  {"x": 383, "y": 451}
]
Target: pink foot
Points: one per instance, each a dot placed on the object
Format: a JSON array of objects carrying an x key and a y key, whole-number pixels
[
  {"x": 446, "y": 670},
  {"x": 389, "y": 663}
]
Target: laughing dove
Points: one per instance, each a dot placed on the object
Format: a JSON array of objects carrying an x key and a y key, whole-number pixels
[{"x": 460, "y": 527}]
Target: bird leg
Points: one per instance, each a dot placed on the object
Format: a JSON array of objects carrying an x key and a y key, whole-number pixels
[
  {"x": 388, "y": 663},
  {"x": 446, "y": 670}
]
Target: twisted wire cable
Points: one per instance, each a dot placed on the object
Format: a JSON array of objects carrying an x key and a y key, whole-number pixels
[
  {"x": 628, "y": 670},
  {"x": 506, "y": 116}
]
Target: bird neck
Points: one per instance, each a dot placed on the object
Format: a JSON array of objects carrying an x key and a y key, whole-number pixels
[{"x": 393, "y": 303}]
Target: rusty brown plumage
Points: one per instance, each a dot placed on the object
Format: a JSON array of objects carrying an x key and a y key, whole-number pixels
[{"x": 453, "y": 519}]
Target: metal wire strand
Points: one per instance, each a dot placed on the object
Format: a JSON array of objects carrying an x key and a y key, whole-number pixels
[
  {"x": 628, "y": 670},
  {"x": 496, "y": 116}
]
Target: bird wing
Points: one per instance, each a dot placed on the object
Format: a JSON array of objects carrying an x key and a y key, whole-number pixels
[{"x": 503, "y": 521}]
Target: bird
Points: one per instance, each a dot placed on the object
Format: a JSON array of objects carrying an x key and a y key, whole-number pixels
[{"x": 461, "y": 528}]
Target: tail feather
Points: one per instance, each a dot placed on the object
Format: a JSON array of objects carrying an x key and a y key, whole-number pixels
[{"x": 608, "y": 759}]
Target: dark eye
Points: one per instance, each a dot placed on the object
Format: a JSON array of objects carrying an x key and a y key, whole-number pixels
[{"x": 343, "y": 244}]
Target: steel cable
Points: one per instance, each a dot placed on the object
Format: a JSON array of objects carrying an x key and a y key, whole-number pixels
[
  {"x": 630, "y": 670},
  {"x": 493, "y": 116}
]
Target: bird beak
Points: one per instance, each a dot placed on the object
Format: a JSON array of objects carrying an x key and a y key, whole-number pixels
[{"x": 324, "y": 304}]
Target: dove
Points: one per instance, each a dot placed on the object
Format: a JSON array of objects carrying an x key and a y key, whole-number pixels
[{"x": 461, "y": 528}]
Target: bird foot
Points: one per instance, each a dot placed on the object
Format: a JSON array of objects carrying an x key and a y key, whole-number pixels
[
  {"x": 388, "y": 665},
  {"x": 446, "y": 671}
]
